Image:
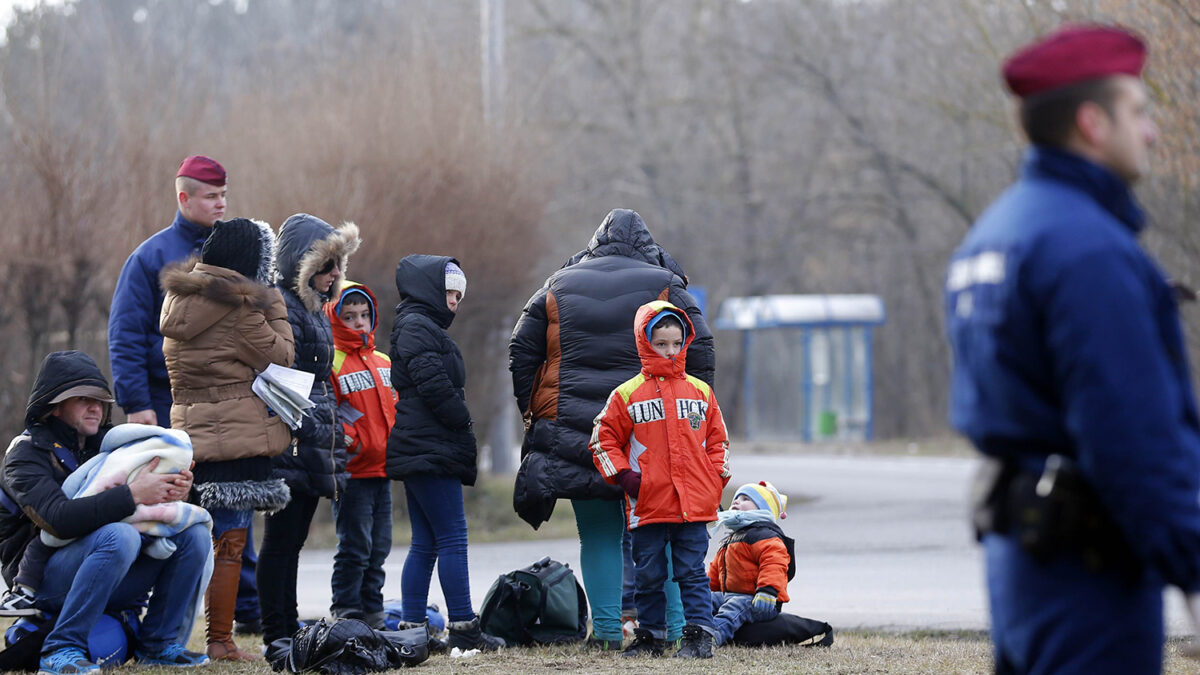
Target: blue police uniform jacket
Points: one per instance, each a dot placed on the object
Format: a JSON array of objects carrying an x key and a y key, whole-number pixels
[
  {"x": 134, "y": 342},
  {"x": 1066, "y": 338}
]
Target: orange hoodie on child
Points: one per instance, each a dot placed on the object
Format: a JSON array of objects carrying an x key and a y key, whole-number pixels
[
  {"x": 362, "y": 385},
  {"x": 666, "y": 425}
]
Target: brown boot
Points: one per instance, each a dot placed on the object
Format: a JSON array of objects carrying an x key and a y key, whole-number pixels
[{"x": 221, "y": 598}]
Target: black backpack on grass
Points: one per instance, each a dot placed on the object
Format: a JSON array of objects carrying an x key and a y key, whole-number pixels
[{"x": 540, "y": 604}]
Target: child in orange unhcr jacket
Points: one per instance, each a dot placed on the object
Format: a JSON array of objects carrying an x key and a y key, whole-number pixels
[
  {"x": 362, "y": 386},
  {"x": 661, "y": 437},
  {"x": 750, "y": 572}
]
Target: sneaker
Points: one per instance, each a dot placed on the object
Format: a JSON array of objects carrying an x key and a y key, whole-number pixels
[
  {"x": 628, "y": 625},
  {"x": 66, "y": 661},
  {"x": 18, "y": 602},
  {"x": 174, "y": 655},
  {"x": 645, "y": 644},
  {"x": 697, "y": 643}
]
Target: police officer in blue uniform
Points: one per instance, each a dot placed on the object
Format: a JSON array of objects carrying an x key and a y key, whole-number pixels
[{"x": 1070, "y": 375}]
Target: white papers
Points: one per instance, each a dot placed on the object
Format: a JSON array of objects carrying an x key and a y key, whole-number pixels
[{"x": 285, "y": 391}]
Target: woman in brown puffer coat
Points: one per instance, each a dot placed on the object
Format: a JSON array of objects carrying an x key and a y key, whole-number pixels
[{"x": 223, "y": 322}]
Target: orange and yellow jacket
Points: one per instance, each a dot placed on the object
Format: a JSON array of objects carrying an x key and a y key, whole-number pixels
[
  {"x": 753, "y": 557},
  {"x": 362, "y": 386},
  {"x": 666, "y": 425}
]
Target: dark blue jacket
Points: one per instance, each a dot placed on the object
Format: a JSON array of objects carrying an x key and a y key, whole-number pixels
[
  {"x": 315, "y": 464},
  {"x": 134, "y": 341},
  {"x": 1066, "y": 336},
  {"x": 432, "y": 435}
]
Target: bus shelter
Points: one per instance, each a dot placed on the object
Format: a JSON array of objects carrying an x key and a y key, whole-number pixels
[{"x": 807, "y": 364}]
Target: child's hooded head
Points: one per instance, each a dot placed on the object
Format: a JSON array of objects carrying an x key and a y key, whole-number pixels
[
  {"x": 356, "y": 310},
  {"x": 666, "y": 333},
  {"x": 760, "y": 496}
]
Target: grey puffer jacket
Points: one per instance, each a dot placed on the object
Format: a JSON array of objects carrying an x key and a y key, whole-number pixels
[{"x": 315, "y": 463}]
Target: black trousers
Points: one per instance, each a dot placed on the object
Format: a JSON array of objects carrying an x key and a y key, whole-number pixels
[{"x": 278, "y": 562}]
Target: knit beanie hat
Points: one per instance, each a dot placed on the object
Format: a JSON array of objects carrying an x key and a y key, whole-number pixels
[
  {"x": 233, "y": 244},
  {"x": 766, "y": 497},
  {"x": 456, "y": 280}
]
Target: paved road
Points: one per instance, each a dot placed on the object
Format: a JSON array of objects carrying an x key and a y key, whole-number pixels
[{"x": 880, "y": 543}]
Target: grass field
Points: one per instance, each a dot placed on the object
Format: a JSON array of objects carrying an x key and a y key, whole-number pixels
[{"x": 853, "y": 652}]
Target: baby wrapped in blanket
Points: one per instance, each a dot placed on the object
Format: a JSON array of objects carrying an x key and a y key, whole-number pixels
[{"x": 127, "y": 450}]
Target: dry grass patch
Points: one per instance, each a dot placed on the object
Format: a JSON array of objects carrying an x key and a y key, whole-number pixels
[
  {"x": 914, "y": 653},
  {"x": 918, "y": 652}
]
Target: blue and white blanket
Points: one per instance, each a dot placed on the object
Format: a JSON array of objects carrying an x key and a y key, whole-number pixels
[{"x": 126, "y": 451}]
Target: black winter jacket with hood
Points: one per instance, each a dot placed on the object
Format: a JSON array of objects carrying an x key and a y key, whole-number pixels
[
  {"x": 315, "y": 464},
  {"x": 32, "y": 475},
  {"x": 574, "y": 344},
  {"x": 432, "y": 435}
]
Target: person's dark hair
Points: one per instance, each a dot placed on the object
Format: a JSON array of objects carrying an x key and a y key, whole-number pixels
[
  {"x": 1048, "y": 117},
  {"x": 668, "y": 321},
  {"x": 355, "y": 299}
]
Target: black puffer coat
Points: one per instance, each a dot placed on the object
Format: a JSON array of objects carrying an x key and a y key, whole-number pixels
[
  {"x": 315, "y": 464},
  {"x": 574, "y": 344},
  {"x": 432, "y": 435},
  {"x": 32, "y": 476}
]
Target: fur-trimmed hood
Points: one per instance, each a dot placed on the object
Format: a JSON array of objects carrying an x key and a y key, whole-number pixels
[
  {"x": 222, "y": 286},
  {"x": 305, "y": 243}
]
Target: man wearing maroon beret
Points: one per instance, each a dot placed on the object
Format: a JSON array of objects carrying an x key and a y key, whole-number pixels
[
  {"x": 134, "y": 341},
  {"x": 1070, "y": 375}
]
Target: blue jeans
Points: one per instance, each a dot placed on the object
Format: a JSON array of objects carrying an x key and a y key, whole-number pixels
[
  {"x": 1057, "y": 617},
  {"x": 688, "y": 546},
  {"x": 629, "y": 580},
  {"x": 224, "y": 520},
  {"x": 731, "y": 611},
  {"x": 605, "y": 577},
  {"x": 439, "y": 536},
  {"x": 104, "y": 571},
  {"x": 363, "y": 518}
]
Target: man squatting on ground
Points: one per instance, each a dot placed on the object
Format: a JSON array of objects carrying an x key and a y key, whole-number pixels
[
  {"x": 104, "y": 568},
  {"x": 1071, "y": 376}
]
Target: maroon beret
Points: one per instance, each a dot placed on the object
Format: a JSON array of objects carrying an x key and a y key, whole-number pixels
[
  {"x": 203, "y": 169},
  {"x": 1072, "y": 55}
]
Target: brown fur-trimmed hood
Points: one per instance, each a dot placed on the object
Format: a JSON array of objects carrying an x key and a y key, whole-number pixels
[
  {"x": 192, "y": 277},
  {"x": 225, "y": 289},
  {"x": 305, "y": 243}
]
